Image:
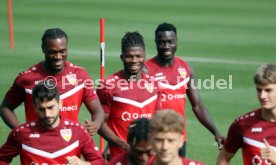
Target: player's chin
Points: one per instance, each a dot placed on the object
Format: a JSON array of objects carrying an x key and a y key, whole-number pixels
[
  {"x": 165, "y": 160},
  {"x": 167, "y": 56},
  {"x": 135, "y": 71},
  {"x": 267, "y": 107},
  {"x": 48, "y": 123},
  {"x": 166, "y": 157}
]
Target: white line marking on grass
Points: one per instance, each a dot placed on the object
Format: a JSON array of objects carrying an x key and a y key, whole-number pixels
[{"x": 190, "y": 59}]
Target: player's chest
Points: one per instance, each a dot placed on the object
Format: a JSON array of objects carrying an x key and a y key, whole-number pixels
[
  {"x": 50, "y": 141},
  {"x": 172, "y": 76},
  {"x": 254, "y": 134},
  {"x": 65, "y": 83},
  {"x": 136, "y": 91}
]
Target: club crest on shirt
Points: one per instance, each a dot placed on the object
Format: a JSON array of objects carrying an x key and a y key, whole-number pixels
[
  {"x": 72, "y": 78},
  {"x": 149, "y": 87},
  {"x": 66, "y": 134},
  {"x": 182, "y": 72}
]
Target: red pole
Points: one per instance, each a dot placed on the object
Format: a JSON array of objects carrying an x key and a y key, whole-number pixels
[
  {"x": 9, "y": 2},
  {"x": 102, "y": 42}
]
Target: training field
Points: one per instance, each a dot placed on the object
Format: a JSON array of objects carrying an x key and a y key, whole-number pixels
[{"x": 221, "y": 40}]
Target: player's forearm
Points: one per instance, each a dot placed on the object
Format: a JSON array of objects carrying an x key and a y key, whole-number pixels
[
  {"x": 224, "y": 157},
  {"x": 111, "y": 137},
  {"x": 203, "y": 116},
  {"x": 9, "y": 117},
  {"x": 222, "y": 162},
  {"x": 98, "y": 118}
]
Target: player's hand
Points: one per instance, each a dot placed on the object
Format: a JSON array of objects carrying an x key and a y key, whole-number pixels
[
  {"x": 74, "y": 160},
  {"x": 91, "y": 127},
  {"x": 220, "y": 140},
  {"x": 268, "y": 153}
]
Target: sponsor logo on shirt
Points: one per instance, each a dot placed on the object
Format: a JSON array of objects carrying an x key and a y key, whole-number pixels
[
  {"x": 126, "y": 116},
  {"x": 33, "y": 163},
  {"x": 72, "y": 78},
  {"x": 66, "y": 134},
  {"x": 172, "y": 96},
  {"x": 34, "y": 135},
  {"x": 182, "y": 72},
  {"x": 69, "y": 108},
  {"x": 38, "y": 81},
  {"x": 257, "y": 160},
  {"x": 149, "y": 87},
  {"x": 257, "y": 129}
]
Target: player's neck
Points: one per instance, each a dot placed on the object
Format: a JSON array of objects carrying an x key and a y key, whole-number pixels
[
  {"x": 269, "y": 114},
  {"x": 165, "y": 63},
  {"x": 132, "y": 77},
  {"x": 49, "y": 70},
  {"x": 176, "y": 161}
]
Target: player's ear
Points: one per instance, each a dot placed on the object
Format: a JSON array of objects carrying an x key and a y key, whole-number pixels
[
  {"x": 59, "y": 104},
  {"x": 181, "y": 142}
]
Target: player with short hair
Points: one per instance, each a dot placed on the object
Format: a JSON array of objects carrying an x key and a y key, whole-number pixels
[
  {"x": 50, "y": 139},
  {"x": 73, "y": 82},
  {"x": 174, "y": 76},
  {"x": 254, "y": 132},
  {"x": 165, "y": 136},
  {"x": 128, "y": 94},
  {"x": 140, "y": 149}
]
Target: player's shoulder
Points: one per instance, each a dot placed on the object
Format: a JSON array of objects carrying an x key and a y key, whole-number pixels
[
  {"x": 26, "y": 128},
  {"x": 75, "y": 126},
  {"x": 149, "y": 78},
  {"x": 248, "y": 117},
  {"x": 30, "y": 72},
  {"x": 113, "y": 77},
  {"x": 75, "y": 68},
  {"x": 150, "y": 61}
]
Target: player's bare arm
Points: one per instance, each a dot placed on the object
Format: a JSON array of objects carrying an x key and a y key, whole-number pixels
[
  {"x": 224, "y": 157},
  {"x": 97, "y": 115},
  {"x": 201, "y": 111},
  {"x": 110, "y": 136},
  {"x": 8, "y": 115}
]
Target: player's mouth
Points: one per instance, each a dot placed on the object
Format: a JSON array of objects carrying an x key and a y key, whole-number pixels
[
  {"x": 49, "y": 119},
  {"x": 58, "y": 63},
  {"x": 164, "y": 154},
  {"x": 166, "y": 52},
  {"x": 264, "y": 102},
  {"x": 134, "y": 67}
]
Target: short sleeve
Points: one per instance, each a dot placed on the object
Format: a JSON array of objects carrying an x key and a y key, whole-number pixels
[
  {"x": 89, "y": 92},
  {"x": 16, "y": 94},
  {"x": 11, "y": 148},
  {"x": 89, "y": 150},
  {"x": 234, "y": 138},
  {"x": 105, "y": 97}
]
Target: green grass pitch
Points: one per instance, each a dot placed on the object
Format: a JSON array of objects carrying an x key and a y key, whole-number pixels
[{"x": 217, "y": 37}]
